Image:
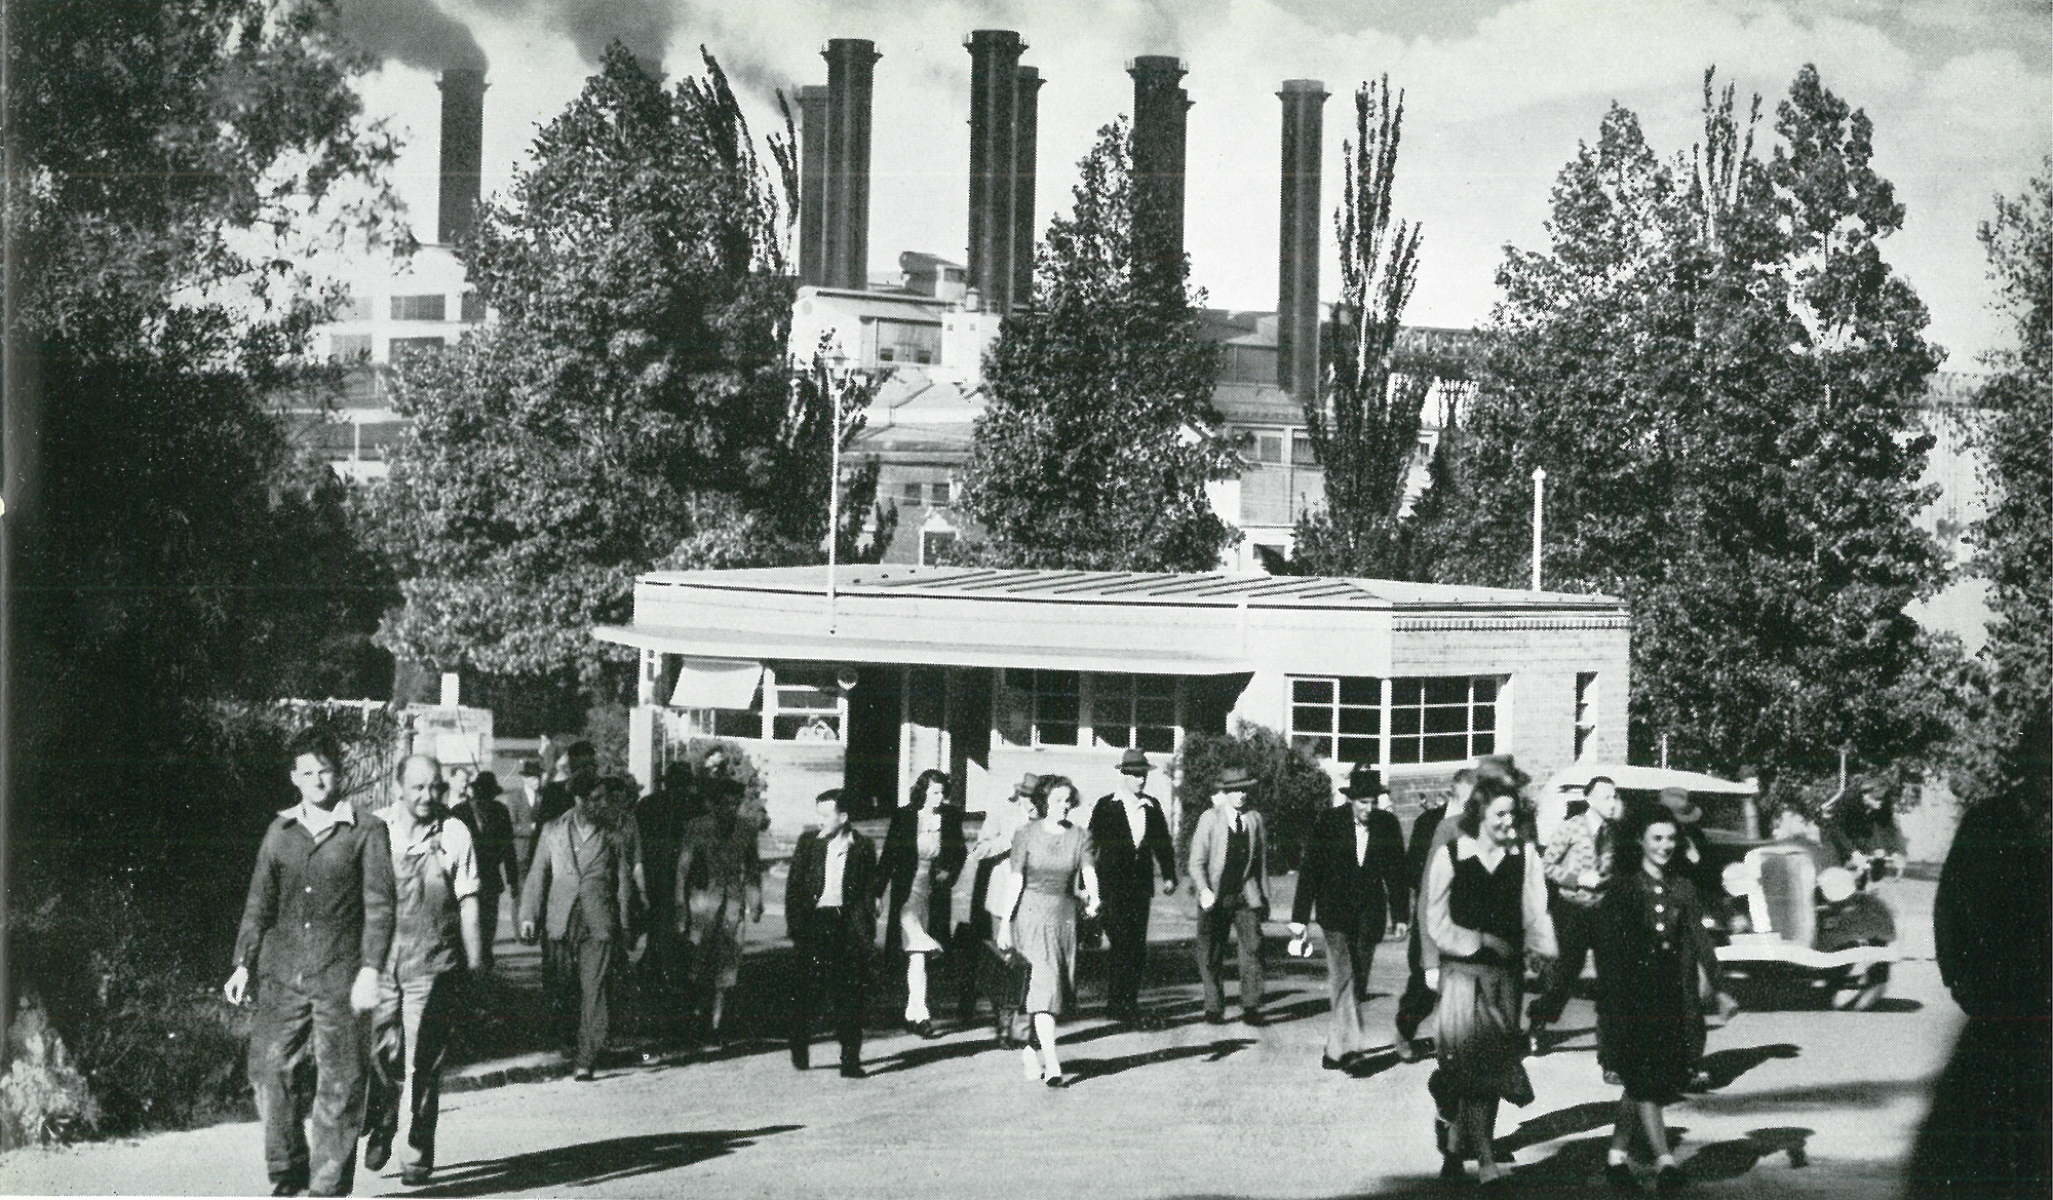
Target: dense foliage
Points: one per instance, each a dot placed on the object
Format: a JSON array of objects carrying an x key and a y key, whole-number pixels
[
  {"x": 1721, "y": 376},
  {"x": 1100, "y": 436},
  {"x": 1365, "y": 428},
  {"x": 1290, "y": 788},
  {"x": 632, "y": 405}
]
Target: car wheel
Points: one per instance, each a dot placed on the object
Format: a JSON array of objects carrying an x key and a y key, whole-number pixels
[{"x": 1862, "y": 991}]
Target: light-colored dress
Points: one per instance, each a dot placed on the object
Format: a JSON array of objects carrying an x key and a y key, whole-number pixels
[
  {"x": 919, "y": 895},
  {"x": 1049, "y": 858},
  {"x": 1478, "y": 1040}
]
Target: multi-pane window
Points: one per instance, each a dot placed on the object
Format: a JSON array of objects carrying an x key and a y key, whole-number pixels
[
  {"x": 808, "y": 705},
  {"x": 403, "y": 350},
  {"x": 1134, "y": 711},
  {"x": 1442, "y": 720},
  {"x": 941, "y": 492},
  {"x": 1040, "y": 708},
  {"x": 1585, "y": 710},
  {"x": 1302, "y": 452},
  {"x": 431, "y": 307},
  {"x": 472, "y": 307},
  {"x": 1340, "y": 719},
  {"x": 910, "y": 492},
  {"x": 1269, "y": 447},
  {"x": 349, "y": 347},
  {"x": 933, "y": 543}
]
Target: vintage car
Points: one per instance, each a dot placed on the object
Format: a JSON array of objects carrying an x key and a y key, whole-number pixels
[{"x": 1787, "y": 920}]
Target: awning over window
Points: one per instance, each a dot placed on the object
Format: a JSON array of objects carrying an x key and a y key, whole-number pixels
[{"x": 717, "y": 683}]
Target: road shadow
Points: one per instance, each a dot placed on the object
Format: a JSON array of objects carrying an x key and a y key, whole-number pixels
[
  {"x": 1724, "y": 1066},
  {"x": 929, "y": 1053},
  {"x": 1089, "y": 1069},
  {"x": 1868, "y": 1095},
  {"x": 1731, "y": 1159},
  {"x": 589, "y": 1163},
  {"x": 1576, "y": 1118}
]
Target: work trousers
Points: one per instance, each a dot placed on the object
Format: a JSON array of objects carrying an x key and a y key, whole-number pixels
[
  {"x": 410, "y": 1035},
  {"x": 1349, "y": 956},
  {"x": 306, "y": 1060},
  {"x": 1231, "y": 918},
  {"x": 583, "y": 963},
  {"x": 1126, "y": 936},
  {"x": 488, "y": 926},
  {"x": 1418, "y": 1000},
  {"x": 833, "y": 963},
  {"x": 1575, "y": 934}
]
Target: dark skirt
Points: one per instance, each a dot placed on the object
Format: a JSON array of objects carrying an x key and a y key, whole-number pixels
[
  {"x": 1650, "y": 1029},
  {"x": 1481, "y": 1049}
]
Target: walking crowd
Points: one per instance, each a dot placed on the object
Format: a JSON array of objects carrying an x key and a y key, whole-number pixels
[{"x": 365, "y": 933}]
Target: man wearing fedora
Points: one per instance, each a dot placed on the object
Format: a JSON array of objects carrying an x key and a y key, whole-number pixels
[
  {"x": 1130, "y": 836},
  {"x": 1229, "y": 871},
  {"x": 1003, "y": 972},
  {"x": 1353, "y": 883}
]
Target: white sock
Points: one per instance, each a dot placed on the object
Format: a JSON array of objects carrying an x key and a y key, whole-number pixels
[
  {"x": 1666, "y": 1160},
  {"x": 1616, "y": 1157}
]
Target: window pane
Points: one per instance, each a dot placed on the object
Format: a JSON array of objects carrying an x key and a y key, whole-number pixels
[
  {"x": 1404, "y": 721},
  {"x": 1446, "y": 748},
  {"x": 941, "y": 491},
  {"x": 1446, "y": 720},
  {"x": 1361, "y": 691},
  {"x": 1317, "y": 747},
  {"x": 1304, "y": 719},
  {"x": 1116, "y": 736},
  {"x": 1486, "y": 690},
  {"x": 1056, "y": 681},
  {"x": 1302, "y": 452},
  {"x": 1406, "y": 691},
  {"x": 1311, "y": 691},
  {"x": 1404, "y": 750},
  {"x": 1447, "y": 691},
  {"x": 910, "y": 493},
  {"x": 734, "y": 723},
  {"x": 1161, "y": 687},
  {"x": 1360, "y": 720},
  {"x": 1154, "y": 712},
  {"x": 1484, "y": 743},
  {"x": 473, "y": 307},
  {"x": 1057, "y": 708},
  {"x": 1158, "y": 741},
  {"x": 1055, "y": 734},
  {"x": 1359, "y": 750},
  {"x": 1269, "y": 448},
  {"x": 1485, "y": 717}
]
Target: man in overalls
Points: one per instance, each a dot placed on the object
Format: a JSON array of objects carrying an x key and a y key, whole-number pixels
[{"x": 435, "y": 942}]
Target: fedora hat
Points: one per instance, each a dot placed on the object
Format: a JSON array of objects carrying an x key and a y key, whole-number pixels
[
  {"x": 1235, "y": 779},
  {"x": 1363, "y": 780},
  {"x": 1026, "y": 785},
  {"x": 1133, "y": 762},
  {"x": 1676, "y": 800}
]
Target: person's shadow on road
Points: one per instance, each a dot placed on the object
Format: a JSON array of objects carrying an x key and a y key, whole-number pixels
[
  {"x": 563, "y": 1167},
  {"x": 1087, "y": 1069}
]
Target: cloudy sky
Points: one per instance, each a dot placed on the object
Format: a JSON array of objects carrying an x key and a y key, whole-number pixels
[{"x": 1498, "y": 94}]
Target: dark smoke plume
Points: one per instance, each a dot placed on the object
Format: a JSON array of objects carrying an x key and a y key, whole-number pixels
[{"x": 414, "y": 32}]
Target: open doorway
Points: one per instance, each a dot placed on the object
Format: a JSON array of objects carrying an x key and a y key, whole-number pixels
[{"x": 870, "y": 775}]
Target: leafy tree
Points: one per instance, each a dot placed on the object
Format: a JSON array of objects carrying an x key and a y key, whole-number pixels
[
  {"x": 630, "y": 407},
  {"x": 2016, "y": 539},
  {"x": 1721, "y": 377},
  {"x": 1100, "y": 436},
  {"x": 1365, "y": 428},
  {"x": 172, "y": 160}
]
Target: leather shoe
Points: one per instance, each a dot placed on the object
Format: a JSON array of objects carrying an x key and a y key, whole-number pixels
[
  {"x": 377, "y": 1150},
  {"x": 1329, "y": 1063},
  {"x": 1670, "y": 1179},
  {"x": 1451, "y": 1168},
  {"x": 1536, "y": 1039},
  {"x": 801, "y": 1058},
  {"x": 1252, "y": 1017},
  {"x": 1407, "y": 1050},
  {"x": 1620, "y": 1177},
  {"x": 287, "y": 1188},
  {"x": 923, "y": 1029},
  {"x": 851, "y": 1071},
  {"x": 414, "y": 1176},
  {"x": 1215, "y": 1018}
]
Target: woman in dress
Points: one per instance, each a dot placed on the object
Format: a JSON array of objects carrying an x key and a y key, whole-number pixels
[
  {"x": 719, "y": 881},
  {"x": 1656, "y": 969},
  {"x": 923, "y": 853},
  {"x": 1051, "y": 863},
  {"x": 1485, "y": 909}
]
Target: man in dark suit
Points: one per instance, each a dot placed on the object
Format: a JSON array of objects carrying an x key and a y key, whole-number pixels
[
  {"x": 1418, "y": 1000},
  {"x": 1352, "y": 882},
  {"x": 583, "y": 876},
  {"x": 491, "y": 832},
  {"x": 1130, "y": 837},
  {"x": 830, "y": 910},
  {"x": 1229, "y": 871}
]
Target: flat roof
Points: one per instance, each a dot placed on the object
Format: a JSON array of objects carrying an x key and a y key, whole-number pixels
[
  {"x": 1213, "y": 589},
  {"x": 803, "y": 646}
]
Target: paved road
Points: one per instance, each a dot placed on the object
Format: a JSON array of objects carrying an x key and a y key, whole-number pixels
[{"x": 1196, "y": 1110}]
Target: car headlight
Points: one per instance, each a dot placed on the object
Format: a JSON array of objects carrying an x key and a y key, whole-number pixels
[{"x": 1835, "y": 884}]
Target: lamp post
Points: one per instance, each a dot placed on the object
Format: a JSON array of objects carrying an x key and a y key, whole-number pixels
[
  {"x": 832, "y": 379},
  {"x": 1539, "y": 488}
]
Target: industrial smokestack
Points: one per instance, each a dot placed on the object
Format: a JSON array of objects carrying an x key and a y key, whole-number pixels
[
  {"x": 812, "y": 185},
  {"x": 1297, "y": 258},
  {"x": 993, "y": 162},
  {"x": 1159, "y": 111},
  {"x": 1026, "y": 138},
  {"x": 463, "y": 153},
  {"x": 849, "y": 65}
]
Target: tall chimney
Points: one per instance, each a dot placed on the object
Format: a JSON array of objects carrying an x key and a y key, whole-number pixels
[
  {"x": 847, "y": 250},
  {"x": 463, "y": 153},
  {"x": 1159, "y": 108},
  {"x": 812, "y": 185},
  {"x": 993, "y": 90},
  {"x": 1297, "y": 258},
  {"x": 1026, "y": 138}
]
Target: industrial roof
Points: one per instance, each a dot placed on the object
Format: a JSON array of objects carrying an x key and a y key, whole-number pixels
[{"x": 1130, "y": 587}]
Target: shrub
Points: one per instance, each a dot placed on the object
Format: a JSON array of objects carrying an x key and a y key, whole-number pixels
[{"x": 1290, "y": 789}]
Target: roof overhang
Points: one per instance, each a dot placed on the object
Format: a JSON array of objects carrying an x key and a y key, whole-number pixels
[{"x": 824, "y": 647}]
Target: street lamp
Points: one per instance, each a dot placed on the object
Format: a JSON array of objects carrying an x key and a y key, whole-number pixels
[
  {"x": 833, "y": 379},
  {"x": 1539, "y": 488}
]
